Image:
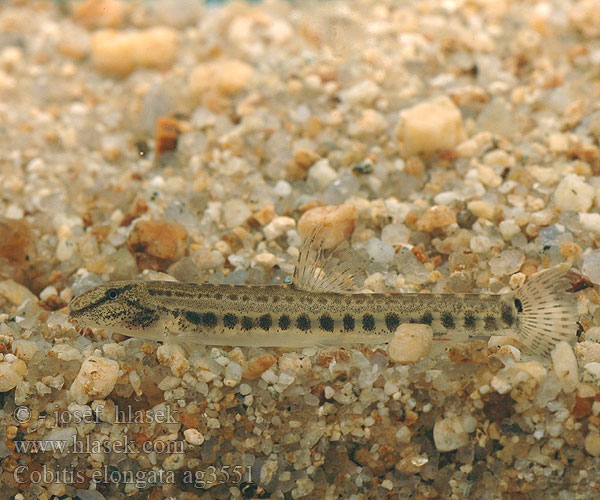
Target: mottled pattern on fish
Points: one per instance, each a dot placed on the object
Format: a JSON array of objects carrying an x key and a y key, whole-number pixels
[{"x": 316, "y": 311}]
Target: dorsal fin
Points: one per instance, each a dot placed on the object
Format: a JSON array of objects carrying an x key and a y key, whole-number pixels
[{"x": 316, "y": 272}]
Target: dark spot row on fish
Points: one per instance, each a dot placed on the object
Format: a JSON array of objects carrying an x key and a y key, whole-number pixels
[{"x": 327, "y": 323}]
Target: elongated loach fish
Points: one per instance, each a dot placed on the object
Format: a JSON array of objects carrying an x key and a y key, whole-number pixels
[{"x": 318, "y": 309}]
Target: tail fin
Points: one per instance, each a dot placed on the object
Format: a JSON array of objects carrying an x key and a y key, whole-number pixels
[{"x": 547, "y": 313}]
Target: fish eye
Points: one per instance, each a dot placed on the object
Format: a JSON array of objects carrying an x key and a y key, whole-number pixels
[{"x": 112, "y": 294}]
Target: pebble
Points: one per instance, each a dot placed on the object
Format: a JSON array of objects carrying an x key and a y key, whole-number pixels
[
  {"x": 121, "y": 52},
  {"x": 235, "y": 212},
  {"x": 337, "y": 220},
  {"x": 591, "y": 266},
  {"x": 96, "y": 379},
  {"x": 380, "y": 252},
  {"x": 411, "y": 343},
  {"x": 507, "y": 262},
  {"x": 174, "y": 357},
  {"x": 256, "y": 366},
  {"x": 364, "y": 92},
  {"x": 436, "y": 218},
  {"x": 574, "y": 194},
  {"x": 482, "y": 209},
  {"x": 193, "y": 436},
  {"x": 15, "y": 293},
  {"x": 590, "y": 222},
  {"x": 564, "y": 363},
  {"x": 508, "y": 228},
  {"x": 24, "y": 349},
  {"x": 304, "y": 487},
  {"x": 278, "y": 226},
  {"x": 432, "y": 125},
  {"x": 592, "y": 443},
  {"x": 321, "y": 174},
  {"x": 65, "y": 352},
  {"x": 225, "y": 76},
  {"x": 100, "y": 13},
  {"x": 164, "y": 240},
  {"x": 449, "y": 434},
  {"x": 11, "y": 373},
  {"x": 266, "y": 260},
  {"x": 395, "y": 234}
]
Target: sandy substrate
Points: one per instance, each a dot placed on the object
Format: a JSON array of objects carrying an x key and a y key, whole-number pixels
[{"x": 453, "y": 144}]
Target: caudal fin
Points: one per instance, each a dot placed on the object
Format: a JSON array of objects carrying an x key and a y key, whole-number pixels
[{"x": 547, "y": 313}]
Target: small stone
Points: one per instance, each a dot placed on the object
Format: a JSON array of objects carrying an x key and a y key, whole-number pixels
[
  {"x": 509, "y": 228},
  {"x": 15, "y": 293},
  {"x": 547, "y": 176},
  {"x": 449, "y": 434},
  {"x": 591, "y": 266},
  {"x": 65, "y": 352},
  {"x": 395, "y": 234},
  {"x": 24, "y": 349},
  {"x": 380, "y": 252},
  {"x": 322, "y": 174},
  {"x": 164, "y": 240},
  {"x": 266, "y": 260},
  {"x": 411, "y": 343},
  {"x": 592, "y": 443},
  {"x": 11, "y": 373},
  {"x": 96, "y": 379},
  {"x": 480, "y": 244},
  {"x": 585, "y": 17},
  {"x": 370, "y": 122},
  {"x": 225, "y": 76},
  {"x": 100, "y": 13},
  {"x": 590, "y": 222},
  {"x": 507, "y": 262},
  {"x": 488, "y": 176},
  {"x": 304, "y": 486},
  {"x": 265, "y": 214},
  {"x": 193, "y": 436},
  {"x": 436, "y": 218},
  {"x": 482, "y": 209},
  {"x": 235, "y": 212},
  {"x": 574, "y": 194},
  {"x": 278, "y": 226},
  {"x": 564, "y": 363},
  {"x": 432, "y": 125},
  {"x": 256, "y": 366},
  {"x": 305, "y": 158},
  {"x": 174, "y": 357},
  {"x": 121, "y": 52},
  {"x": 364, "y": 92},
  {"x": 337, "y": 221}
]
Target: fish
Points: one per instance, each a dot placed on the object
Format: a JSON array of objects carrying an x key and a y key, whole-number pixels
[{"x": 320, "y": 307}]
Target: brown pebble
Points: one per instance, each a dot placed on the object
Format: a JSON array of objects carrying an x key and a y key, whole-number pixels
[
  {"x": 468, "y": 352},
  {"x": 255, "y": 367},
  {"x": 17, "y": 249},
  {"x": 166, "y": 134},
  {"x": 100, "y": 13},
  {"x": 497, "y": 407},
  {"x": 436, "y": 218},
  {"x": 164, "y": 240},
  {"x": 305, "y": 158},
  {"x": 265, "y": 215},
  {"x": 529, "y": 267}
]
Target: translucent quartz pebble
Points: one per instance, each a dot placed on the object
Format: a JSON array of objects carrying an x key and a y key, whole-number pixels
[{"x": 591, "y": 266}]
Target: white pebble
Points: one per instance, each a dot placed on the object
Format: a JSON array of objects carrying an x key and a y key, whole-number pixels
[
  {"x": 364, "y": 92},
  {"x": 574, "y": 194},
  {"x": 411, "y": 343},
  {"x": 591, "y": 266},
  {"x": 322, "y": 174},
  {"x": 507, "y": 262},
  {"x": 193, "y": 436},
  {"x": 590, "y": 222},
  {"x": 96, "y": 379},
  {"x": 24, "y": 349},
  {"x": 278, "y": 226},
  {"x": 449, "y": 434},
  {"x": 11, "y": 374},
  {"x": 565, "y": 366},
  {"x": 508, "y": 228},
  {"x": 282, "y": 189},
  {"x": 431, "y": 125}
]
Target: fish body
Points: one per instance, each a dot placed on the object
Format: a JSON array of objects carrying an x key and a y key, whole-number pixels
[{"x": 316, "y": 310}]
